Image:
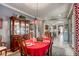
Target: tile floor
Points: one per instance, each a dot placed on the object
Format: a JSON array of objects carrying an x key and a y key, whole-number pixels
[{"x": 61, "y": 50}]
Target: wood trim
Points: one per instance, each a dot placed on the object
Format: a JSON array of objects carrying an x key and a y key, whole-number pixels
[{"x": 1, "y": 23}]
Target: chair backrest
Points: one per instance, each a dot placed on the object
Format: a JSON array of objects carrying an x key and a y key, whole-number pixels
[
  {"x": 26, "y": 36},
  {"x": 22, "y": 44},
  {"x": 48, "y": 34}
]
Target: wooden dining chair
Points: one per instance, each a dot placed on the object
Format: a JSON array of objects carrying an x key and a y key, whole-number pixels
[
  {"x": 26, "y": 36},
  {"x": 3, "y": 47},
  {"x": 22, "y": 44},
  {"x": 48, "y": 34}
]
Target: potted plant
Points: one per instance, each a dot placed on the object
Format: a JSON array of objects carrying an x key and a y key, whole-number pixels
[{"x": 23, "y": 17}]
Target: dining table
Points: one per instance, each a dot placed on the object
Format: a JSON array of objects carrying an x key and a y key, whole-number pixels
[{"x": 37, "y": 48}]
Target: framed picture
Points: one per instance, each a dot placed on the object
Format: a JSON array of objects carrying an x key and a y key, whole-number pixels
[
  {"x": 54, "y": 27},
  {"x": 0, "y": 23}
]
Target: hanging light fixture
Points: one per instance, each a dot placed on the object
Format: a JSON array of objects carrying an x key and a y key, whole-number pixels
[
  {"x": 36, "y": 14},
  {"x": 36, "y": 20}
]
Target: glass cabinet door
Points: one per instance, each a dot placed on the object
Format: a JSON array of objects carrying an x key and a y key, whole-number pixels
[
  {"x": 27, "y": 28},
  {"x": 32, "y": 29},
  {"x": 16, "y": 27},
  {"x": 22, "y": 27}
]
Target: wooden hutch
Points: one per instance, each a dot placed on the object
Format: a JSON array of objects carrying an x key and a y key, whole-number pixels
[{"x": 19, "y": 27}]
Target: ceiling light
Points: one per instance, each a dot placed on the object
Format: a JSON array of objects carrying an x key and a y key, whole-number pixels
[{"x": 59, "y": 15}]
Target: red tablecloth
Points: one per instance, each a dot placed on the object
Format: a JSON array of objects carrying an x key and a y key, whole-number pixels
[{"x": 37, "y": 48}]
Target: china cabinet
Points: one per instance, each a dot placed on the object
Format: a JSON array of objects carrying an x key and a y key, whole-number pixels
[{"x": 19, "y": 27}]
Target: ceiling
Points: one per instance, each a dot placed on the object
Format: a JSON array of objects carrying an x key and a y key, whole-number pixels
[{"x": 44, "y": 10}]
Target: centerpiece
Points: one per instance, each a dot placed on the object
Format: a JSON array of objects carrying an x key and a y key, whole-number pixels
[{"x": 39, "y": 39}]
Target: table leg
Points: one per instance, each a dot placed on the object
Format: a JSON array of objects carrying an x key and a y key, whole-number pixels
[{"x": 6, "y": 52}]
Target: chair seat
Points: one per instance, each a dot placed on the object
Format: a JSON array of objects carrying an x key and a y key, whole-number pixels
[{"x": 2, "y": 48}]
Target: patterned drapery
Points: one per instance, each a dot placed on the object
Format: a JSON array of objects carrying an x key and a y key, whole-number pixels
[{"x": 76, "y": 9}]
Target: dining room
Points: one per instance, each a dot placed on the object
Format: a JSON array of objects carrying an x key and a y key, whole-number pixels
[{"x": 36, "y": 29}]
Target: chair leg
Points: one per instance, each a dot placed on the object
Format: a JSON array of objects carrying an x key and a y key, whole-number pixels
[
  {"x": 50, "y": 51},
  {"x": 5, "y": 52},
  {"x": 0, "y": 52},
  {"x": 22, "y": 54}
]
